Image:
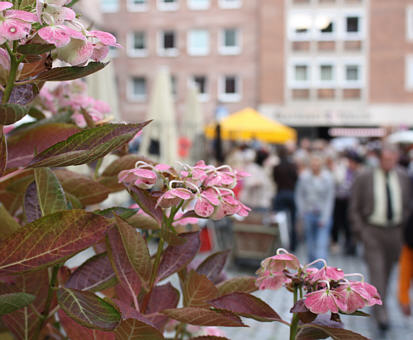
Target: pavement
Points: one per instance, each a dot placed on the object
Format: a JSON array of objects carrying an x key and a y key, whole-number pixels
[{"x": 281, "y": 301}]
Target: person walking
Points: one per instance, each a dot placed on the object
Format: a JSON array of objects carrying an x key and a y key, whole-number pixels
[
  {"x": 285, "y": 177},
  {"x": 379, "y": 206},
  {"x": 315, "y": 200}
]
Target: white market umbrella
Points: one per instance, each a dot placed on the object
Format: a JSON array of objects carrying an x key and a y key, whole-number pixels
[
  {"x": 159, "y": 139},
  {"x": 102, "y": 86},
  {"x": 402, "y": 137},
  {"x": 193, "y": 123}
]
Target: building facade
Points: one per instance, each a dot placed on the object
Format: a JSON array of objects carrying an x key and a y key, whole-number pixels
[{"x": 303, "y": 62}]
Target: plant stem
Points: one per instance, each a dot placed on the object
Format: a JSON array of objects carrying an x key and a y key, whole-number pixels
[
  {"x": 294, "y": 322},
  {"x": 14, "y": 66},
  {"x": 48, "y": 303},
  {"x": 179, "y": 330}
]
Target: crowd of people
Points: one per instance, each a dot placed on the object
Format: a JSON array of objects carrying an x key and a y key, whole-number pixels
[{"x": 337, "y": 200}]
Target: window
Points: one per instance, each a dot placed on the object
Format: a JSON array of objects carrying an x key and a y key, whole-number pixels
[
  {"x": 108, "y": 6},
  {"x": 198, "y": 42},
  {"x": 198, "y": 4},
  {"x": 137, "y": 5},
  {"x": 352, "y": 73},
  {"x": 168, "y": 5},
  {"x": 299, "y": 26},
  {"x": 352, "y": 24},
  {"x": 326, "y": 26},
  {"x": 229, "y": 89},
  {"x": 353, "y": 76},
  {"x": 137, "y": 89},
  {"x": 326, "y": 73},
  {"x": 168, "y": 44},
  {"x": 230, "y": 3},
  {"x": 202, "y": 85},
  {"x": 230, "y": 41},
  {"x": 301, "y": 73},
  {"x": 137, "y": 44}
]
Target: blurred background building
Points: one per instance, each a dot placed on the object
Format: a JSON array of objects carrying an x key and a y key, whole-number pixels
[{"x": 311, "y": 64}]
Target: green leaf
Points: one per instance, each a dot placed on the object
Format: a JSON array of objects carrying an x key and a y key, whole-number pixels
[
  {"x": 3, "y": 154},
  {"x": 13, "y": 188},
  {"x": 11, "y": 113},
  {"x": 136, "y": 250},
  {"x": 143, "y": 221},
  {"x": 14, "y": 301},
  {"x": 79, "y": 186},
  {"x": 8, "y": 224},
  {"x": 87, "y": 146},
  {"x": 51, "y": 239},
  {"x": 204, "y": 317},
  {"x": 197, "y": 290},
  {"x": 246, "y": 305},
  {"x": 244, "y": 284},
  {"x": 94, "y": 275},
  {"x": 49, "y": 191},
  {"x": 70, "y": 72},
  {"x": 313, "y": 332},
  {"x": 137, "y": 330},
  {"x": 88, "y": 309},
  {"x": 35, "y": 49},
  {"x": 36, "y": 113}
]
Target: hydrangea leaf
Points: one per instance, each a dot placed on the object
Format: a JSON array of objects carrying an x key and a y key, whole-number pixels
[
  {"x": 14, "y": 301},
  {"x": 70, "y": 72}
]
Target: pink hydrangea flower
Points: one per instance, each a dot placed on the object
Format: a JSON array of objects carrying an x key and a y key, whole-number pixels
[
  {"x": 270, "y": 280},
  {"x": 328, "y": 273},
  {"x": 368, "y": 292},
  {"x": 325, "y": 300},
  {"x": 213, "y": 331},
  {"x": 4, "y": 60},
  {"x": 5, "y": 5},
  {"x": 351, "y": 299},
  {"x": 59, "y": 35},
  {"x": 173, "y": 197},
  {"x": 142, "y": 178},
  {"x": 280, "y": 262}
]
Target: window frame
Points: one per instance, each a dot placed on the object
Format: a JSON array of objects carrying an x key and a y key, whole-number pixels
[
  {"x": 136, "y": 7},
  {"x": 133, "y": 97},
  {"x": 326, "y": 84},
  {"x": 362, "y": 25},
  {"x": 229, "y": 97},
  {"x": 193, "y": 7},
  {"x": 292, "y": 34},
  {"x": 230, "y": 50},
  {"x": 352, "y": 84},
  {"x": 299, "y": 84},
  {"x": 326, "y": 36},
  {"x": 130, "y": 41},
  {"x": 162, "y": 6},
  {"x": 193, "y": 52},
  {"x": 225, "y": 4},
  {"x": 203, "y": 97},
  {"x": 167, "y": 52},
  {"x": 115, "y": 10}
]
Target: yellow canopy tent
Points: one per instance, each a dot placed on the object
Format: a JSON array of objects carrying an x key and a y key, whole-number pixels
[{"x": 249, "y": 124}]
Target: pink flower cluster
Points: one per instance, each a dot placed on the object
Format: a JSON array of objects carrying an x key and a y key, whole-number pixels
[
  {"x": 204, "y": 189},
  {"x": 327, "y": 289},
  {"x": 72, "y": 96},
  {"x": 58, "y": 26}
]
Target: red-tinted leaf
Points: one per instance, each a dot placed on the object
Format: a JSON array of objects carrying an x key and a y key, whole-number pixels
[
  {"x": 137, "y": 330},
  {"x": 204, "y": 317},
  {"x": 49, "y": 192},
  {"x": 22, "y": 95},
  {"x": 303, "y": 312},
  {"x": 3, "y": 154},
  {"x": 70, "y": 72},
  {"x": 35, "y": 49},
  {"x": 197, "y": 290},
  {"x": 162, "y": 297},
  {"x": 80, "y": 186},
  {"x": 147, "y": 203},
  {"x": 23, "y": 322},
  {"x": 22, "y": 146},
  {"x": 244, "y": 284},
  {"x": 143, "y": 221},
  {"x": 31, "y": 204},
  {"x": 13, "y": 188},
  {"x": 246, "y": 305},
  {"x": 8, "y": 224},
  {"x": 177, "y": 257},
  {"x": 136, "y": 250},
  {"x": 50, "y": 240},
  {"x": 313, "y": 332},
  {"x": 213, "y": 265},
  {"x": 127, "y": 276},
  {"x": 95, "y": 275},
  {"x": 14, "y": 301},
  {"x": 11, "y": 113},
  {"x": 87, "y": 145},
  {"x": 88, "y": 309},
  {"x": 75, "y": 331}
]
